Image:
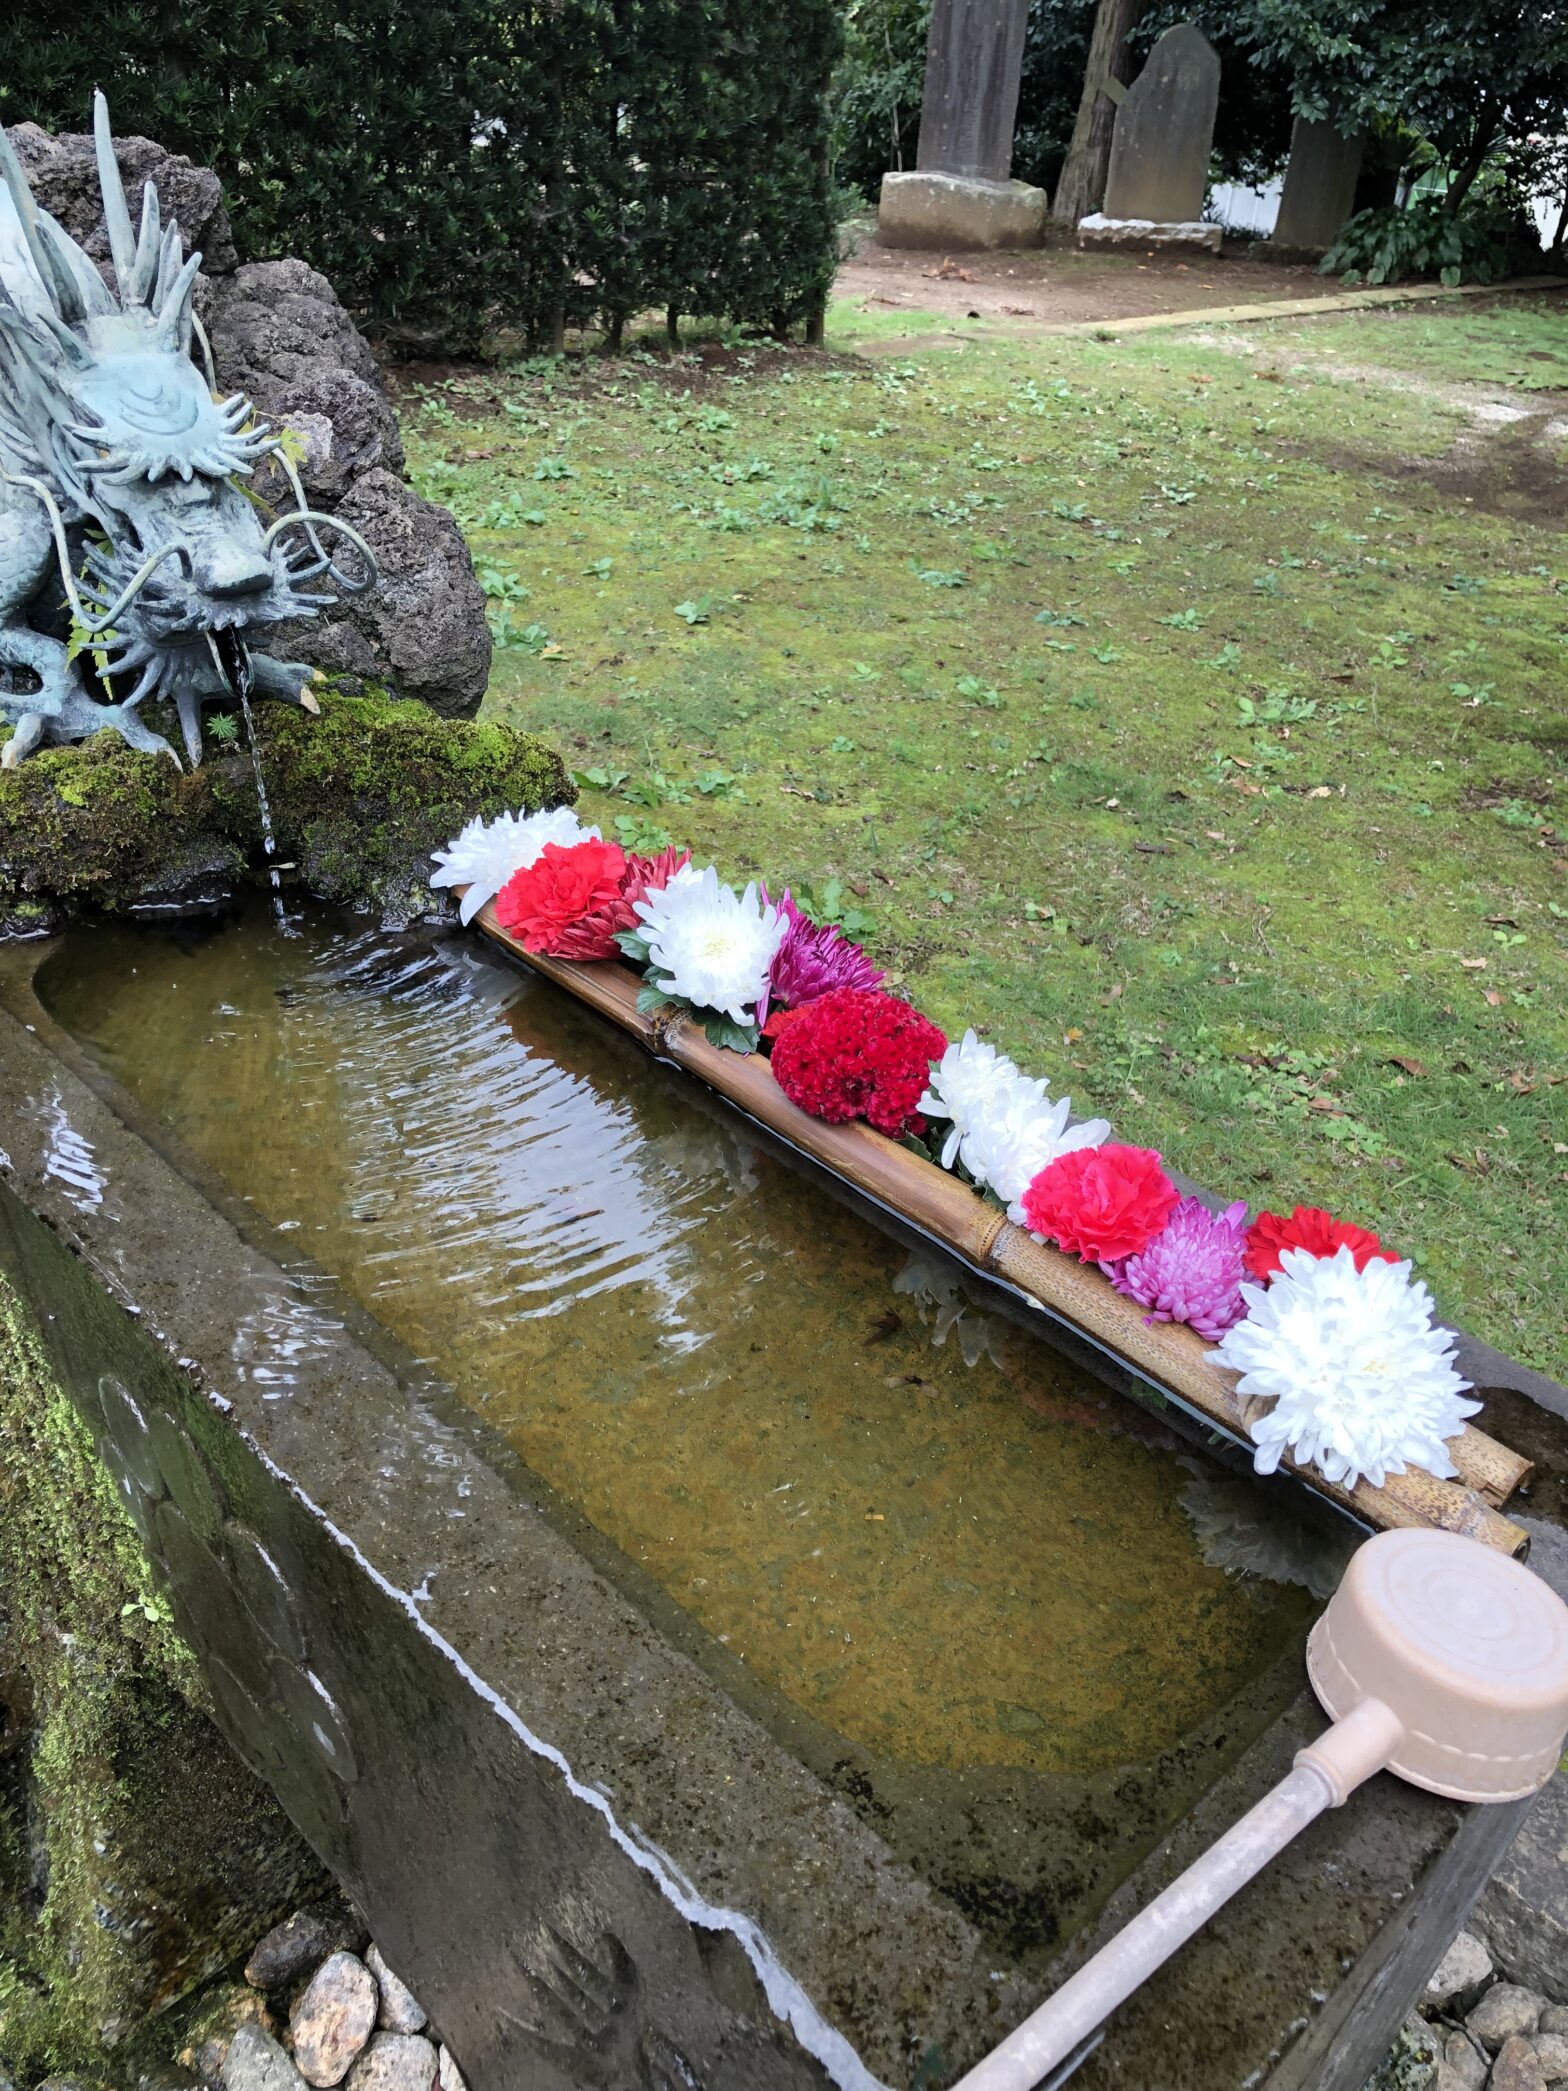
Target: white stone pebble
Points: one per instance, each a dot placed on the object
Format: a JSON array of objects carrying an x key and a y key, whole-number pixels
[
  {"x": 401, "y": 2011},
  {"x": 395, "y": 2062},
  {"x": 1464, "y": 1970}
]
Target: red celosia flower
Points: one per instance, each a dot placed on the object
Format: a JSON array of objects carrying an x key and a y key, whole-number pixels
[
  {"x": 1309, "y": 1227},
  {"x": 854, "y": 1053},
  {"x": 593, "y": 935},
  {"x": 780, "y": 1020},
  {"x": 1101, "y": 1203},
  {"x": 540, "y": 904}
]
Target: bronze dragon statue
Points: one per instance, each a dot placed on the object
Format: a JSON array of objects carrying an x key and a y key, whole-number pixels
[{"x": 134, "y": 563}]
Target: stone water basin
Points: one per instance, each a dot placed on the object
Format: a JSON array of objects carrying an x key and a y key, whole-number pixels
[{"x": 882, "y": 1641}]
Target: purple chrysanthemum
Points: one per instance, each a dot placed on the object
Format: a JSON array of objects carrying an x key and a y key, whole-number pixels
[
  {"x": 1192, "y": 1270},
  {"x": 813, "y": 959}
]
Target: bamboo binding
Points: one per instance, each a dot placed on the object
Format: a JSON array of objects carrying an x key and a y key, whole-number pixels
[{"x": 944, "y": 1206}]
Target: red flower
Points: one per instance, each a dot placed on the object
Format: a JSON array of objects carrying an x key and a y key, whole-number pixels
[
  {"x": 780, "y": 1021},
  {"x": 1309, "y": 1227},
  {"x": 543, "y": 903},
  {"x": 854, "y": 1053},
  {"x": 1101, "y": 1203},
  {"x": 593, "y": 934}
]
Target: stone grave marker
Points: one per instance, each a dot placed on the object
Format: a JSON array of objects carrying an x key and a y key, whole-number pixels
[
  {"x": 1160, "y": 147},
  {"x": 1320, "y": 185},
  {"x": 961, "y": 193}
]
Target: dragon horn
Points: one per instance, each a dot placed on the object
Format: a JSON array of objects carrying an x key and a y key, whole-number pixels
[
  {"x": 26, "y": 211},
  {"x": 116, "y": 212},
  {"x": 149, "y": 242},
  {"x": 174, "y": 314}
]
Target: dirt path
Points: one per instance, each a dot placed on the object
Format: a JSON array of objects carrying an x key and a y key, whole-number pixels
[{"x": 1056, "y": 284}]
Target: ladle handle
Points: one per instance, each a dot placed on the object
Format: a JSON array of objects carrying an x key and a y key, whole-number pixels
[{"x": 1325, "y": 1772}]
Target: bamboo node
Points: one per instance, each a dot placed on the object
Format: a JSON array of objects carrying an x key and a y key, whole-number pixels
[{"x": 988, "y": 1227}]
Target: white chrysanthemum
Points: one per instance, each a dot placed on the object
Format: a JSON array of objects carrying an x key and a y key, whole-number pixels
[
  {"x": 709, "y": 944},
  {"x": 968, "y": 1085},
  {"x": 1005, "y": 1126},
  {"x": 486, "y": 854},
  {"x": 1362, "y": 1381},
  {"x": 1033, "y": 1136}
]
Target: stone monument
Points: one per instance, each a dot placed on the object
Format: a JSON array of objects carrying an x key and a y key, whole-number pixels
[
  {"x": 961, "y": 193},
  {"x": 1320, "y": 187},
  {"x": 1160, "y": 148}
]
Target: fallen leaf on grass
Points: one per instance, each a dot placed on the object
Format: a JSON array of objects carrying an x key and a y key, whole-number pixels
[
  {"x": 1493, "y": 998},
  {"x": 1473, "y": 965},
  {"x": 1411, "y": 1066}
]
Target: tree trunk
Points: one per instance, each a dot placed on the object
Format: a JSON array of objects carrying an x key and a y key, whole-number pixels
[
  {"x": 1459, "y": 187},
  {"x": 1082, "y": 186}
]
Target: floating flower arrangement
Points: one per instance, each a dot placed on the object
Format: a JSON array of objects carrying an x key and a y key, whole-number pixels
[{"x": 1321, "y": 1321}]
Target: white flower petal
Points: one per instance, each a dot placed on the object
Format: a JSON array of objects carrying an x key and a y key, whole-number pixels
[
  {"x": 1005, "y": 1127},
  {"x": 485, "y": 855},
  {"x": 1361, "y": 1379},
  {"x": 710, "y": 945}
]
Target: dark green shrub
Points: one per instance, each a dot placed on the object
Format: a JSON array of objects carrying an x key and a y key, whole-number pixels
[
  {"x": 457, "y": 166},
  {"x": 1423, "y": 239}
]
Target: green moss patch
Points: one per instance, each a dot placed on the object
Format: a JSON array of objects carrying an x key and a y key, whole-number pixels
[
  {"x": 87, "y": 1656},
  {"x": 359, "y": 796}
]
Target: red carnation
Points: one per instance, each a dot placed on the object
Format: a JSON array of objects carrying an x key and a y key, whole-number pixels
[
  {"x": 1101, "y": 1203},
  {"x": 541, "y": 904},
  {"x": 593, "y": 934},
  {"x": 855, "y": 1053},
  {"x": 1309, "y": 1227}
]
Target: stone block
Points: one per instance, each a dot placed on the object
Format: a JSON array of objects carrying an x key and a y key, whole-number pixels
[
  {"x": 1188, "y": 236},
  {"x": 1523, "y": 1915},
  {"x": 958, "y": 211}
]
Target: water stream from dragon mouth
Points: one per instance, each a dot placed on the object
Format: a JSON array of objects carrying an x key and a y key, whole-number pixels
[{"x": 237, "y": 668}]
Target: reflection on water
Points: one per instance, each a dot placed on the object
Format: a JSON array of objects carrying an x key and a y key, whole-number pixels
[{"x": 915, "y": 1523}]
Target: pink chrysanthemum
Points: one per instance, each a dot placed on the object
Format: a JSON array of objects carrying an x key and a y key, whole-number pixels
[
  {"x": 813, "y": 959},
  {"x": 1192, "y": 1270}
]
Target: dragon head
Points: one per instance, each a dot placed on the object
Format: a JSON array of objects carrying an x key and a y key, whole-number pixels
[{"x": 108, "y": 420}]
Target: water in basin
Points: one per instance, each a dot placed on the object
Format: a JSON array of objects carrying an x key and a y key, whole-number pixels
[{"x": 960, "y": 1577}]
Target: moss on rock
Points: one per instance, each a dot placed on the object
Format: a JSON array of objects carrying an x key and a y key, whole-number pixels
[
  {"x": 85, "y": 1648},
  {"x": 136, "y": 1854},
  {"x": 100, "y": 824},
  {"x": 364, "y": 794},
  {"x": 359, "y": 797}
]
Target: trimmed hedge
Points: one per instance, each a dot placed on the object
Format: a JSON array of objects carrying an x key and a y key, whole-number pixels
[{"x": 456, "y": 165}]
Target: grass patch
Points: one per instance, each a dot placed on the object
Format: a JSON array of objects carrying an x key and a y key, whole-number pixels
[
  {"x": 1220, "y": 784},
  {"x": 1518, "y": 342}
]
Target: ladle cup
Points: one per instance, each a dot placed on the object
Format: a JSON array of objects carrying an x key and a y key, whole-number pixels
[{"x": 1437, "y": 1658}]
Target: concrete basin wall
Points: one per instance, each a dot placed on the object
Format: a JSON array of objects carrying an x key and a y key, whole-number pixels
[{"x": 593, "y": 1867}]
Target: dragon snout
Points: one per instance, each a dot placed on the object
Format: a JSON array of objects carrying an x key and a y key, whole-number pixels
[{"x": 228, "y": 570}]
